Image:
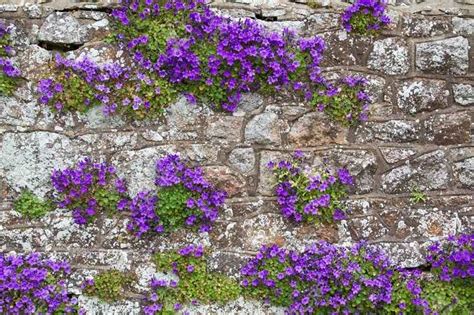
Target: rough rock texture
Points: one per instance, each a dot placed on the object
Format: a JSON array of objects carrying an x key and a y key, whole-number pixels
[
  {"x": 443, "y": 56},
  {"x": 419, "y": 137}
]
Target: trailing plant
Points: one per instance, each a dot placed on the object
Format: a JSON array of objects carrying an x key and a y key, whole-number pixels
[
  {"x": 308, "y": 194},
  {"x": 213, "y": 59},
  {"x": 30, "y": 284},
  {"x": 194, "y": 284},
  {"x": 88, "y": 189},
  {"x": 365, "y": 17},
  {"x": 31, "y": 206},
  {"x": 183, "y": 198},
  {"x": 109, "y": 285},
  {"x": 9, "y": 74},
  {"x": 326, "y": 279},
  {"x": 345, "y": 102},
  {"x": 78, "y": 85},
  {"x": 323, "y": 279}
]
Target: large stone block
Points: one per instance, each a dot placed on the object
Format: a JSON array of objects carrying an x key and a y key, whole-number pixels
[
  {"x": 419, "y": 95},
  {"x": 446, "y": 129},
  {"x": 390, "y": 56},
  {"x": 426, "y": 172},
  {"x": 446, "y": 56},
  {"x": 464, "y": 94}
]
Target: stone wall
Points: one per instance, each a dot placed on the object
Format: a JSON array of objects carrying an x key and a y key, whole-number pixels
[{"x": 418, "y": 137}]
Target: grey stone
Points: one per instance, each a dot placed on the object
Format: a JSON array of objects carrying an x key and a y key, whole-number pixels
[
  {"x": 28, "y": 159},
  {"x": 94, "y": 306},
  {"x": 390, "y": 131},
  {"x": 183, "y": 115},
  {"x": 242, "y": 159},
  {"x": 426, "y": 172},
  {"x": 267, "y": 180},
  {"x": 33, "y": 11},
  {"x": 390, "y": 56},
  {"x": 315, "y": 128},
  {"x": 225, "y": 128},
  {"x": 395, "y": 154},
  {"x": 446, "y": 129},
  {"x": 265, "y": 128},
  {"x": 464, "y": 94},
  {"x": 249, "y": 103},
  {"x": 33, "y": 62},
  {"x": 464, "y": 172},
  {"x": 446, "y": 56},
  {"x": 419, "y": 95},
  {"x": 62, "y": 28},
  {"x": 323, "y": 21},
  {"x": 463, "y": 26},
  {"x": 420, "y": 26}
]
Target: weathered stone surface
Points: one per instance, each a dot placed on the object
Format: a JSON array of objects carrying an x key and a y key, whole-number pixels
[
  {"x": 225, "y": 179},
  {"x": 241, "y": 306},
  {"x": 242, "y": 159},
  {"x": 357, "y": 229},
  {"x": 62, "y": 28},
  {"x": 342, "y": 49},
  {"x": 314, "y": 129},
  {"x": 420, "y": 26},
  {"x": 390, "y": 56},
  {"x": 395, "y": 154},
  {"x": 184, "y": 115},
  {"x": 419, "y": 95},
  {"x": 464, "y": 172},
  {"x": 390, "y": 131},
  {"x": 426, "y": 172},
  {"x": 445, "y": 129},
  {"x": 33, "y": 62},
  {"x": 322, "y": 21},
  {"x": 249, "y": 103},
  {"x": 265, "y": 128},
  {"x": 94, "y": 306},
  {"x": 138, "y": 167},
  {"x": 29, "y": 158},
  {"x": 463, "y": 94},
  {"x": 447, "y": 56},
  {"x": 362, "y": 165},
  {"x": 224, "y": 128},
  {"x": 463, "y": 26}
]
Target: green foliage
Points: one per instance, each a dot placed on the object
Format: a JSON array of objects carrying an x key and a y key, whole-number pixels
[
  {"x": 7, "y": 84},
  {"x": 107, "y": 199},
  {"x": 199, "y": 285},
  {"x": 342, "y": 105},
  {"x": 360, "y": 23},
  {"x": 171, "y": 206},
  {"x": 109, "y": 285},
  {"x": 31, "y": 206},
  {"x": 417, "y": 196}
]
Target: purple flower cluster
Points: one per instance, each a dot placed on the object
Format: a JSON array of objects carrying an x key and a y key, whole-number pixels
[
  {"x": 453, "y": 259},
  {"x": 30, "y": 284},
  {"x": 309, "y": 195},
  {"x": 9, "y": 73},
  {"x": 365, "y": 16},
  {"x": 323, "y": 278},
  {"x": 82, "y": 84},
  {"x": 216, "y": 59},
  {"x": 184, "y": 197},
  {"x": 89, "y": 188},
  {"x": 346, "y": 102}
]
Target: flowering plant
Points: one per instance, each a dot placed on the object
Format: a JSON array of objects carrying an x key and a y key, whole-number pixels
[
  {"x": 323, "y": 278},
  {"x": 30, "y": 284},
  {"x": 82, "y": 84},
  {"x": 345, "y": 102},
  {"x": 365, "y": 16},
  {"x": 108, "y": 285},
  {"x": 89, "y": 188},
  {"x": 306, "y": 194},
  {"x": 9, "y": 73},
  {"x": 214, "y": 59},
  {"x": 184, "y": 197},
  {"x": 194, "y": 282}
]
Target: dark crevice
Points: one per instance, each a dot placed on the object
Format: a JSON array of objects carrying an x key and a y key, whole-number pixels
[
  {"x": 259, "y": 16},
  {"x": 59, "y": 47}
]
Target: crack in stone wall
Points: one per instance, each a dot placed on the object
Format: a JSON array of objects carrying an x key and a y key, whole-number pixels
[{"x": 419, "y": 136}]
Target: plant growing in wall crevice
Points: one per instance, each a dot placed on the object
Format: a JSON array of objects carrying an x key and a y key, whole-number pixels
[
  {"x": 194, "y": 282},
  {"x": 109, "y": 285},
  {"x": 31, "y": 206},
  {"x": 365, "y": 17},
  {"x": 9, "y": 74}
]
